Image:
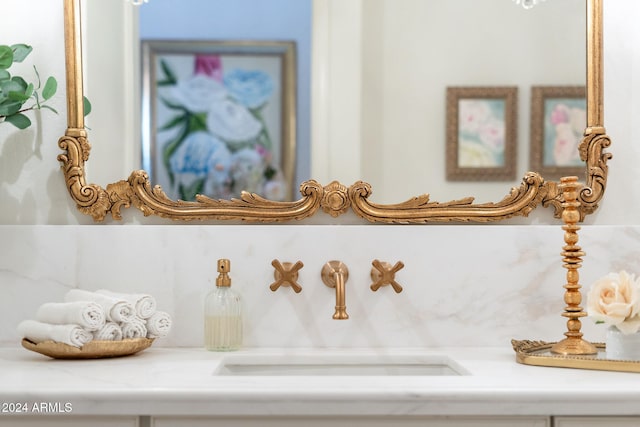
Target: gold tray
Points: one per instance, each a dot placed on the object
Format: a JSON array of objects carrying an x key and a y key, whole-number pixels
[
  {"x": 538, "y": 353},
  {"x": 91, "y": 350}
]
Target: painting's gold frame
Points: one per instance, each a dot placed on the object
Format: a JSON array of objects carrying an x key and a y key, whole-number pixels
[
  {"x": 507, "y": 172},
  {"x": 334, "y": 198},
  {"x": 538, "y": 96}
]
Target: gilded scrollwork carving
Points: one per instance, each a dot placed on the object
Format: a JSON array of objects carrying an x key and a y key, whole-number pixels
[
  {"x": 520, "y": 201},
  {"x": 90, "y": 199},
  {"x": 137, "y": 191},
  {"x": 335, "y": 200},
  {"x": 592, "y": 153}
]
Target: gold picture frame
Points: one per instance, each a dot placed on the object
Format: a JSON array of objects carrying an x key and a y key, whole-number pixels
[
  {"x": 558, "y": 119},
  {"x": 482, "y": 133}
]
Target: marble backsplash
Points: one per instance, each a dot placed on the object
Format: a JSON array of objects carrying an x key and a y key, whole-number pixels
[{"x": 463, "y": 285}]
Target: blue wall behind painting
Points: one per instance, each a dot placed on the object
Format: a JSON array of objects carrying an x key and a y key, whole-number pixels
[{"x": 243, "y": 19}]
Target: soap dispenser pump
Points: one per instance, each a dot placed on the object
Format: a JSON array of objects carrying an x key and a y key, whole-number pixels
[{"x": 223, "y": 313}]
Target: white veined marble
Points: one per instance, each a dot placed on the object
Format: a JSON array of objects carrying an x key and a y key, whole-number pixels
[{"x": 468, "y": 285}]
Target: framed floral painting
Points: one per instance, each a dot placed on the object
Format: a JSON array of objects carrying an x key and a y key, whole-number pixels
[
  {"x": 481, "y": 133},
  {"x": 219, "y": 117},
  {"x": 558, "y": 120}
]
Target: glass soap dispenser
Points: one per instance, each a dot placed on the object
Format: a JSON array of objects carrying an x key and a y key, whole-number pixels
[{"x": 223, "y": 313}]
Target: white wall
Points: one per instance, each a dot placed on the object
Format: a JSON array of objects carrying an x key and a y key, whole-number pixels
[
  {"x": 32, "y": 190},
  {"x": 416, "y": 49}
]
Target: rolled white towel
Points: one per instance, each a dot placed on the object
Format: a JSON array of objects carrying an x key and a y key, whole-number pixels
[
  {"x": 86, "y": 314},
  {"x": 158, "y": 325},
  {"x": 38, "y": 332},
  {"x": 145, "y": 304},
  {"x": 115, "y": 310},
  {"x": 111, "y": 331},
  {"x": 134, "y": 328}
]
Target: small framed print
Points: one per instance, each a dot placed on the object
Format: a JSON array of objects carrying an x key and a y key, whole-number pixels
[
  {"x": 558, "y": 121},
  {"x": 481, "y": 133}
]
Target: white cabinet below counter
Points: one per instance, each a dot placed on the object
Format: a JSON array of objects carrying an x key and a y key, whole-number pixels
[
  {"x": 356, "y": 421},
  {"x": 67, "y": 421},
  {"x": 596, "y": 421}
]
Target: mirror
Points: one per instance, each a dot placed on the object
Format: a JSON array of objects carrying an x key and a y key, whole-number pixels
[{"x": 528, "y": 190}]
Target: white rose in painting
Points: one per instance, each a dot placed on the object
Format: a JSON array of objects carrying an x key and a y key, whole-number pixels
[
  {"x": 275, "y": 189},
  {"x": 615, "y": 300},
  {"x": 192, "y": 156},
  {"x": 232, "y": 121},
  {"x": 197, "y": 93},
  {"x": 202, "y": 155},
  {"x": 247, "y": 171}
]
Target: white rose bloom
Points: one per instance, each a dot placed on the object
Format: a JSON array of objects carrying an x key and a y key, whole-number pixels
[
  {"x": 275, "y": 190},
  {"x": 615, "y": 300},
  {"x": 247, "y": 170},
  {"x": 232, "y": 121},
  {"x": 197, "y": 93}
]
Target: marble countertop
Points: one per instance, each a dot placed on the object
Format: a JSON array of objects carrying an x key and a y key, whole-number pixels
[{"x": 183, "y": 381}]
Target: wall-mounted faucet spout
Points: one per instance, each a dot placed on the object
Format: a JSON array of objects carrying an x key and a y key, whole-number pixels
[{"x": 335, "y": 275}]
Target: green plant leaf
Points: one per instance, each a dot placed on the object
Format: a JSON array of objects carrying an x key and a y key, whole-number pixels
[
  {"x": 20, "y": 51},
  {"x": 50, "y": 88},
  {"x": 9, "y": 108},
  {"x": 4, "y": 75},
  {"x": 49, "y": 108},
  {"x": 198, "y": 122},
  {"x": 170, "y": 77},
  {"x": 16, "y": 89},
  {"x": 188, "y": 192},
  {"x": 11, "y": 86},
  {"x": 37, "y": 77},
  {"x": 87, "y": 105},
  {"x": 22, "y": 82},
  {"x": 6, "y": 57},
  {"x": 173, "y": 106},
  {"x": 174, "y": 122},
  {"x": 19, "y": 120},
  {"x": 19, "y": 96},
  {"x": 29, "y": 90}
]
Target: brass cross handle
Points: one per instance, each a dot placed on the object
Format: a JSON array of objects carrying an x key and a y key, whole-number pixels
[
  {"x": 383, "y": 274},
  {"x": 286, "y": 274}
]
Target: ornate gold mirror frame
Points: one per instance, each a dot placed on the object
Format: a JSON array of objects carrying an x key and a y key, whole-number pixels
[{"x": 334, "y": 198}]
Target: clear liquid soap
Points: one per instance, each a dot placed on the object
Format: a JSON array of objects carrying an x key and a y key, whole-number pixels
[{"x": 223, "y": 313}]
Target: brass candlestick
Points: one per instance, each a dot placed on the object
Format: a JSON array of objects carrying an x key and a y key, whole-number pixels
[{"x": 573, "y": 344}]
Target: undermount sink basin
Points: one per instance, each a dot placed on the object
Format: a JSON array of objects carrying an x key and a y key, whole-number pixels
[{"x": 338, "y": 365}]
